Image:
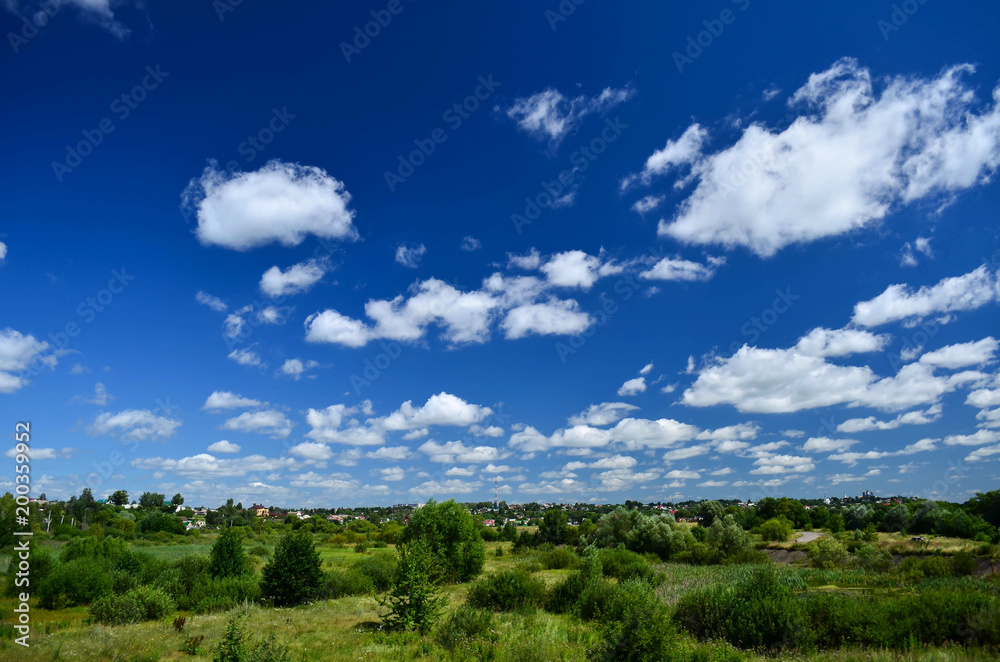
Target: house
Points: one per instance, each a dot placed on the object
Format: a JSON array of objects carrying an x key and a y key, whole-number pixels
[
  {"x": 260, "y": 511},
  {"x": 489, "y": 522}
]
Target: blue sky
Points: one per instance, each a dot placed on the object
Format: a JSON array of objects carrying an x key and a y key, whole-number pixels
[{"x": 601, "y": 252}]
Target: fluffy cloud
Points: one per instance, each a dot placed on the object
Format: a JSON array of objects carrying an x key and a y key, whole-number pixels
[
  {"x": 247, "y": 357},
  {"x": 205, "y": 465},
  {"x": 909, "y": 418},
  {"x": 900, "y": 303},
  {"x": 134, "y": 425},
  {"x": 293, "y": 280},
  {"x": 98, "y": 12},
  {"x": 841, "y": 165},
  {"x": 648, "y": 203},
  {"x": 555, "y": 317},
  {"x": 227, "y": 400},
  {"x": 577, "y": 269},
  {"x": 633, "y": 386},
  {"x": 213, "y": 302},
  {"x": 269, "y": 422},
  {"x": 453, "y": 486},
  {"x": 682, "y": 270},
  {"x": 18, "y": 352},
  {"x": 789, "y": 380},
  {"x": 827, "y": 445},
  {"x": 296, "y": 368},
  {"x": 3, "y": 251},
  {"x": 550, "y": 116},
  {"x": 281, "y": 202},
  {"x": 99, "y": 398},
  {"x": 962, "y": 355},
  {"x": 409, "y": 256},
  {"x": 783, "y": 464},
  {"x": 336, "y": 424},
  {"x": 605, "y": 413},
  {"x": 224, "y": 447},
  {"x": 470, "y": 244},
  {"x": 441, "y": 409},
  {"x": 44, "y": 454}
]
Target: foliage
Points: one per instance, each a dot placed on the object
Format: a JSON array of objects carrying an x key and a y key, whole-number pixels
[
  {"x": 623, "y": 565},
  {"x": 827, "y": 553},
  {"x": 139, "y": 604},
  {"x": 465, "y": 624},
  {"x": 380, "y": 568},
  {"x": 757, "y": 612},
  {"x": 228, "y": 558},
  {"x": 413, "y": 601},
  {"x": 151, "y": 500},
  {"x": 343, "y": 583},
  {"x": 156, "y": 522},
  {"x": 776, "y": 529},
  {"x": 637, "y": 627},
  {"x": 508, "y": 590},
  {"x": 293, "y": 576},
  {"x": 559, "y": 558},
  {"x": 452, "y": 538},
  {"x": 237, "y": 646},
  {"x": 554, "y": 527},
  {"x": 656, "y": 534}
]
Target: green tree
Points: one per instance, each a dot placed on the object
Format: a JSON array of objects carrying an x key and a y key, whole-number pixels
[
  {"x": 710, "y": 511},
  {"x": 293, "y": 576},
  {"x": 413, "y": 601},
  {"x": 151, "y": 500},
  {"x": 177, "y": 500},
  {"x": 228, "y": 558},
  {"x": 119, "y": 497},
  {"x": 554, "y": 527},
  {"x": 452, "y": 539},
  {"x": 777, "y": 529},
  {"x": 897, "y": 520}
]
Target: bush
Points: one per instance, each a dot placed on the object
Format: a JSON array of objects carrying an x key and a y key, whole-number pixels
[
  {"x": 559, "y": 558},
  {"x": 78, "y": 582},
  {"x": 228, "y": 558},
  {"x": 224, "y": 594},
  {"x": 237, "y": 646},
  {"x": 451, "y": 537},
  {"x": 379, "y": 568},
  {"x": 565, "y": 595},
  {"x": 645, "y": 534},
  {"x": 465, "y": 624},
  {"x": 413, "y": 602},
  {"x": 509, "y": 590},
  {"x": 758, "y": 612},
  {"x": 777, "y": 529},
  {"x": 637, "y": 626},
  {"x": 141, "y": 604},
  {"x": 827, "y": 553},
  {"x": 294, "y": 574},
  {"x": 345, "y": 583},
  {"x": 623, "y": 565},
  {"x": 869, "y": 557}
]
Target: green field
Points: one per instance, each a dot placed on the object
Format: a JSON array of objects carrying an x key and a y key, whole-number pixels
[{"x": 347, "y": 628}]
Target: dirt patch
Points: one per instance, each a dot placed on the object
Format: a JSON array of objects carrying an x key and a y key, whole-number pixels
[{"x": 786, "y": 555}]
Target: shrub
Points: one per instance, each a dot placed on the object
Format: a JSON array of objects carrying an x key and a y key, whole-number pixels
[
  {"x": 869, "y": 557},
  {"x": 78, "y": 582},
  {"x": 623, "y": 565},
  {"x": 451, "y": 537},
  {"x": 963, "y": 563},
  {"x": 380, "y": 568},
  {"x": 142, "y": 604},
  {"x": 224, "y": 594},
  {"x": 637, "y": 626},
  {"x": 464, "y": 624},
  {"x": 228, "y": 558},
  {"x": 776, "y": 529},
  {"x": 345, "y": 583},
  {"x": 559, "y": 559},
  {"x": 293, "y": 575},
  {"x": 757, "y": 612},
  {"x": 237, "y": 646},
  {"x": 827, "y": 553},
  {"x": 509, "y": 590},
  {"x": 413, "y": 602},
  {"x": 658, "y": 534},
  {"x": 565, "y": 596}
]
